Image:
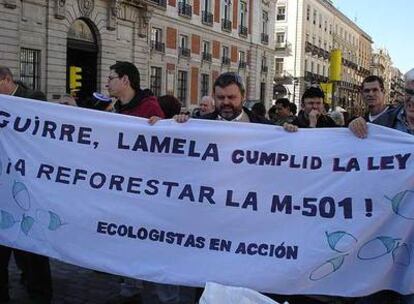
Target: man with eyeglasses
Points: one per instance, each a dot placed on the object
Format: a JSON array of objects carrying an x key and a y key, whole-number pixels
[
  {"x": 35, "y": 268},
  {"x": 124, "y": 84}
]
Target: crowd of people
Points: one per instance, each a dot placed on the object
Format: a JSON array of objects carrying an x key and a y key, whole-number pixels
[{"x": 225, "y": 104}]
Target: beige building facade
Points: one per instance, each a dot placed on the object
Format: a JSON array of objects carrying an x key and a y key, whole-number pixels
[
  {"x": 306, "y": 32},
  {"x": 179, "y": 47}
]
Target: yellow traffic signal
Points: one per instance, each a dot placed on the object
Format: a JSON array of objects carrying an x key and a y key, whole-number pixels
[{"x": 75, "y": 77}]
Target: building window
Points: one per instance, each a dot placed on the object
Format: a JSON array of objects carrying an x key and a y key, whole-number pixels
[
  {"x": 243, "y": 18},
  {"x": 30, "y": 68},
  {"x": 184, "y": 51},
  {"x": 265, "y": 22},
  {"x": 155, "y": 80},
  {"x": 206, "y": 55},
  {"x": 207, "y": 16},
  {"x": 263, "y": 91},
  {"x": 205, "y": 84},
  {"x": 242, "y": 60},
  {"x": 280, "y": 37},
  {"x": 306, "y": 65},
  {"x": 156, "y": 40},
  {"x": 281, "y": 13},
  {"x": 227, "y": 10},
  {"x": 182, "y": 87},
  {"x": 314, "y": 16},
  {"x": 225, "y": 53},
  {"x": 279, "y": 66}
]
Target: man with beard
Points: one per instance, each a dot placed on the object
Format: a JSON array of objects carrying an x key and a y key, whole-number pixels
[{"x": 229, "y": 93}]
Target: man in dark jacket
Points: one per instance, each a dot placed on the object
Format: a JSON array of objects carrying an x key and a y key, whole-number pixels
[
  {"x": 313, "y": 113},
  {"x": 124, "y": 84},
  {"x": 229, "y": 93},
  {"x": 35, "y": 268}
]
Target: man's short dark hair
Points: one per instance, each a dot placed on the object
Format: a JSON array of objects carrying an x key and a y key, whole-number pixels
[
  {"x": 373, "y": 78},
  {"x": 229, "y": 78},
  {"x": 127, "y": 68},
  {"x": 283, "y": 101},
  {"x": 293, "y": 108},
  {"x": 4, "y": 72},
  {"x": 313, "y": 92}
]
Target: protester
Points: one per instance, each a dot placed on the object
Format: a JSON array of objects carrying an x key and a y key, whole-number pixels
[
  {"x": 293, "y": 109},
  {"x": 35, "y": 268},
  {"x": 170, "y": 105},
  {"x": 206, "y": 105},
  {"x": 259, "y": 109},
  {"x": 312, "y": 113},
  {"x": 124, "y": 84},
  {"x": 229, "y": 94},
  {"x": 283, "y": 113},
  {"x": 400, "y": 118},
  {"x": 373, "y": 94}
]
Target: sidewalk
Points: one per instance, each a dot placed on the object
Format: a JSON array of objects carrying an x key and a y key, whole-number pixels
[{"x": 71, "y": 285}]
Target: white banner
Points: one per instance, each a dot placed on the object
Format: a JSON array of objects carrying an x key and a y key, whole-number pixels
[{"x": 314, "y": 212}]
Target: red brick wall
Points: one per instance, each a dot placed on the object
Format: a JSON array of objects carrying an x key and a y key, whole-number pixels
[
  {"x": 195, "y": 44},
  {"x": 234, "y": 54},
  {"x": 217, "y": 11},
  {"x": 196, "y": 7},
  {"x": 171, "y": 38},
  {"x": 235, "y": 13},
  {"x": 172, "y": 2},
  {"x": 216, "y": 49}
]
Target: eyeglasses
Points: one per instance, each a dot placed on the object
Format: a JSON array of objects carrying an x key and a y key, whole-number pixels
[{"x": 110, "y": 78}]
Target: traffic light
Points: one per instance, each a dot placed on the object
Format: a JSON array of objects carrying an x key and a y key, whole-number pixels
[{"x": 75, "y": 78}]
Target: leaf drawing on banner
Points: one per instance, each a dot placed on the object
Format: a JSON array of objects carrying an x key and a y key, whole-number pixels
[
  {"x": 49, "y": 219},
  {"x": 7, "y": 220},
  {"x": 26, "y": 224},
  {"x": 21, "y": 195},
  {"x": 401, "y": 255},
  {"x": 341, "y": 241},
  {"x": 403, "y": 204},
  {"x": 376, "y": 248},
  {"x": 327, "y": 268}
]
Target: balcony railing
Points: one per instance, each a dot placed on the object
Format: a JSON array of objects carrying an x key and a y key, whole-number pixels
[
  {"x": 162, "y": 3},
  {"x": 243, "y": 31},
  {"x": 226, "y": 25},
  {"x": 280, "y": 17},
  {"x": 185, "y": 9},
  {"x": 158, "y": 46},
  {"x": 265, "y": 38},
  {"x": 280, "y": 46},
  {"x": 206, "y": 56},
  {"x": 242, "y": 64},
  {"x": 184, "y": 52},
  {"x": 225, "y": 60},
  {"x": 207, "y": 18}
]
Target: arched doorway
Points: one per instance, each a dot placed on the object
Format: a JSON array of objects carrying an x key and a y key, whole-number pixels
[{"x": 82, "y": 52}]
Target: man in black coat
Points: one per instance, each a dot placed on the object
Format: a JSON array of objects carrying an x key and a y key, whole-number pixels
[{"x": 35, "y": 268}]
